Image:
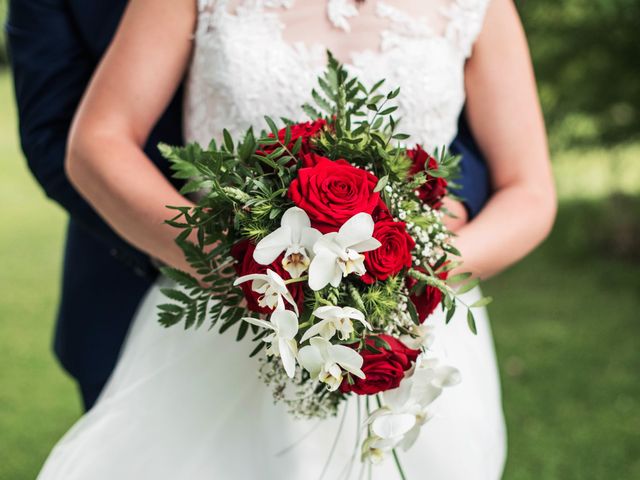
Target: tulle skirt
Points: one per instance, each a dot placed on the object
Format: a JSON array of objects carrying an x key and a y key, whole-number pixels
[{"x": 189, "y": 405}]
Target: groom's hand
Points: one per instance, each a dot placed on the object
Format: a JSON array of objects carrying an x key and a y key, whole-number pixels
[{"x": 458, "y": 214}]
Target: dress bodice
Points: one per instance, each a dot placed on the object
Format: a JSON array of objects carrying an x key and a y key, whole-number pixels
[{"x": 244, "y": 65}]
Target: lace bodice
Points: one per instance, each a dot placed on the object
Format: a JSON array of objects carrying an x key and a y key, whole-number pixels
[{"x": 249, "y": 60}]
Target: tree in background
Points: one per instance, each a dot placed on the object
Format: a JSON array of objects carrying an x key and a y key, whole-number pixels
[{"x": 587, "y": 58}]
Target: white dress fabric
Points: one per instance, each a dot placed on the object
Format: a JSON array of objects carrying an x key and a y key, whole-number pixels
[{"x": 189, "y": 404}]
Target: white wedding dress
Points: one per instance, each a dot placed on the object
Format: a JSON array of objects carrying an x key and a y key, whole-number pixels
[{"x": 188, "y": 404}]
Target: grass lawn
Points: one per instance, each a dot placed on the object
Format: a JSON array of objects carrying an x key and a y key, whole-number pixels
[
  {"x": 566, "y": 330},
  {"x": 37, "y": 401},
  {"x": 565, "y": 322}
]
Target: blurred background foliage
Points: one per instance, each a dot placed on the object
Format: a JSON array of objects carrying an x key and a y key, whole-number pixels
[
  {"x": 3, "y": 43},
  {"x": 586, "y": 56},
  {"x": 565, "y": 320}
]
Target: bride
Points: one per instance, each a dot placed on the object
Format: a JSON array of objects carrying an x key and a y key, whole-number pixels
[{"x": 189, "y": 405}]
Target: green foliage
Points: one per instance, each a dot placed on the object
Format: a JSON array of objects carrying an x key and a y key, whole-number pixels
[
  {"x": 4, "y": 58},
  {"x": 364, "y": 130},
  {"x": 585, "y": 53},
  {"x": 242, "y": 191},
  {"x": 381, "y": 300}
]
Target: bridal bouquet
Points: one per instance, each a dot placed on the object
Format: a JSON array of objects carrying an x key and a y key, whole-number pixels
[{"x": 324, "y": 243}]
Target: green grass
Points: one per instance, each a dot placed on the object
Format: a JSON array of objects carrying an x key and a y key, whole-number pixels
[
  {"x": 566, "y": 329},
  {"x": 37, "y": 401},
  {"x": 565, "y": 323}
]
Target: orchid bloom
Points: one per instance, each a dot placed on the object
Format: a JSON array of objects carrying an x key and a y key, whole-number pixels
[
  {"x": 327, "y": 362},
  {"x": 420, "y": 336},
  {"x": 295, "y": 237},
  {"x": 284, "y": 324},
  {"x": 398, "y": 422},
  {"x": 337, "y": 254},
  {"x": 335, "y": 319},
  {"x": 272, "y": 287}
]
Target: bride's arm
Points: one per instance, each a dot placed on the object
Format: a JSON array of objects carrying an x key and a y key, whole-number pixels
[
  {"x": 506, "y": 119},
  {"x": 128, "y": 93}
]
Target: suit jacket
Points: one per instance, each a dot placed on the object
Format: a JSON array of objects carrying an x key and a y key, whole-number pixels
[{"x": 54, "y": 47}]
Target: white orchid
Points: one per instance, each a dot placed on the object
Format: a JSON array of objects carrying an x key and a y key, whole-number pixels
[
  {"x": 420, "y": 336},
  {"x": 272, "y": 288},
  {"x": 295, "y": 237},
  {"x": 327, "y": 362},
  {"x": 284, "y": 324},
  {"x": 335, "y": 319},
  {"x": 337, "y": 254},
  {"x": 398, "y": 422}
]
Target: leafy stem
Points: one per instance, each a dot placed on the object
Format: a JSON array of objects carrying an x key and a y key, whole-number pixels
[{"x": 303, "y": 278}]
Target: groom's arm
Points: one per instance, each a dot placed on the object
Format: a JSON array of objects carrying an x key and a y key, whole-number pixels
[
  {"x": 51, "y": 69},
  {"x": 474, "y": 183}
]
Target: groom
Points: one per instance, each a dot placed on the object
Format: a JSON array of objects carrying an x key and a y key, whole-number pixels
[{"x": 54, "y": 46}]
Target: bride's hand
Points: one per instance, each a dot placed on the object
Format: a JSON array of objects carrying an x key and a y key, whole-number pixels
[{"x": 458, "y": 217}]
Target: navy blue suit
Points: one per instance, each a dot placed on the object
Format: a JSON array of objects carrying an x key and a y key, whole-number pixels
[{"x": 54, "y": 46}]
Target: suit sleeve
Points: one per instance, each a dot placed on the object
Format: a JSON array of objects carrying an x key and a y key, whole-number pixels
[
  {"x": 474, "y": 185},
  {"x": 51, "y": 69}
]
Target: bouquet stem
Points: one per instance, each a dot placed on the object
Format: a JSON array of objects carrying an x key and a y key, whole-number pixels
[{"x": 398, "y": 464}]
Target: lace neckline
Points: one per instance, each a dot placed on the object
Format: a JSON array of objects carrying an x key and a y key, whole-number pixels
[
  {"x": 338, "y": 11},
  {"x": 400, "y": 25}
]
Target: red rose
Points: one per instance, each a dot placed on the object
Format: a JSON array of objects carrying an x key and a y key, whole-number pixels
[
  {"x": 310, "y": 159},
  {"x": 427, "y": 301},
  {"x": 393, "y": 255},
  {"x": 306, "y": 131},
  {"x": 384, "y": 369},
  {"x": 381, "y": 212},
  {"x": 432, "y": 191},
  {"x": 333, "y": 192},
  {"x": 245, "y": 265}
]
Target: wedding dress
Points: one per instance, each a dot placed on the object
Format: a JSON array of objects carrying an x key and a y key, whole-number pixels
[{"x": 189, "y": 404}]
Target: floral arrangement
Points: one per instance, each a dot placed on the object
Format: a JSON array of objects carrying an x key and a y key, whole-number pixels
[{"x": 324, "y": 242}]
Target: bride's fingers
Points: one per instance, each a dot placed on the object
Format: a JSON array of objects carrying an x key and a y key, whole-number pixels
[{"x": 457, "y": 217}]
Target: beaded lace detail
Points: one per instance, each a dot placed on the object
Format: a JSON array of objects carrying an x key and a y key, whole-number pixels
[{"x": 243, "y": 68}]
